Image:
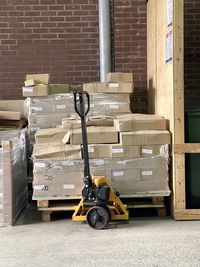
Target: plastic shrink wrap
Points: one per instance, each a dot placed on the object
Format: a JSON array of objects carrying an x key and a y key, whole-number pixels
[{"x": 13, "y": 175}]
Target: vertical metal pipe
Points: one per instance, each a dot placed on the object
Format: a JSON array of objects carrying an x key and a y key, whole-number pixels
[{"x": 104, "y": 38}]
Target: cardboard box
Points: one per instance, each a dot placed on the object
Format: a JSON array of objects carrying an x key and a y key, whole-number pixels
[
  {"x": 109, "y": 88},
  {"x": 119, "y": 151},
  {"x": 111, "y": 108},
  {"x": 154, "y": 151},
  {"x": 59, "y": 89},
  {"x": 56, "y": 107},
  {"x": 120, "y": 87},
  {"x": 56, "y": 191},
  {"x": 46, "y": 119},
  {"x": 123, "y": 175},
  {"x": 115, "y": 77},
  {"x": 104, "y": 104},
  {"x": 105, "y": 164},
  {"x": 142, "y": 163},
  {"x": 99, "y": 151},
  {"x": 128, "y": 186},
  {"x": 57, "y": 185},
  {"x": 12, "y": 105},
  {"x": 57, "y": 177},
  {"x": 10, "y": 115},
  {"x": 37, "y": 90},
  {"x": 64, "y": 88},
  {"x": 37, "y": 122},
  {"x": 141, "y": 176},
  {"x": 38, "y": 78},
  {"x": 113, "y": 151},
  {"x": 100, "y": 121},
  {"x": 56, "y": 151},
  {"x": 145, "y": 138},
  {"x": 63, "y": 166},
  {"x": 110, "y": 98},
  {"x": 96, "y": 135},
  {"x": 30, "y": 82},
  {"x": 52, "y": 135},
  {"x": 137, "y": 122},
  {"x": 71, "y": 123},
  {"x": 13, "y": 124}
]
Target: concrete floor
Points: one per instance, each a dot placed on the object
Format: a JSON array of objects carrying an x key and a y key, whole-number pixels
[{"x": 142, "y": 242}]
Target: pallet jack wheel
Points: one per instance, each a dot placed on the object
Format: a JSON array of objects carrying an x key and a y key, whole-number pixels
[{"x": 97, "y": 217}]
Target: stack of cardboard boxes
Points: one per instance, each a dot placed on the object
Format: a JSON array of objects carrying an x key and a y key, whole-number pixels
[
  {"x": 36, "y": 85},
  {"x": 11, "y": 115},
  {"x": 135, "y": 162},
  {"x": 47, "y": 111},
  {"x": 131, "y": 150},
  {"x": 13, "y": 175}
]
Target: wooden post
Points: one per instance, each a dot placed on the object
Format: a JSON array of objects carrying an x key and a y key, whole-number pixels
[{"x": 169, "y": 83}]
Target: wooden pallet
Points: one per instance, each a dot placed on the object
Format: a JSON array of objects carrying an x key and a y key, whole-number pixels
[{"x": 47, "y": 207}]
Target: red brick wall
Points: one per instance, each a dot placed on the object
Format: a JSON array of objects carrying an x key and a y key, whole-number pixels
[
  {"x": 61, "y": 38},
  {"x": 130, "y": 47},
  {"x": 39, "y": 36},
  {"x": 192, "y": 53}
]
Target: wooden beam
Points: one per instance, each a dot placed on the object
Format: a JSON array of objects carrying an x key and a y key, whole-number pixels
[
  {"x": 178, "y": 70},
  {"x": 186, "y": 148},
  {"x": 187, "y": 214},
  {"x": 188, "y": 211},
  {"x": 179, "y": 181}
]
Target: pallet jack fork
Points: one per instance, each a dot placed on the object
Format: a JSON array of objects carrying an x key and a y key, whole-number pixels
[{"x": 99, "y": 204}]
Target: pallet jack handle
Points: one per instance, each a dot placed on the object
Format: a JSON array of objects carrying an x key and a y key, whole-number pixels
[{"x": 82, "y": 108}]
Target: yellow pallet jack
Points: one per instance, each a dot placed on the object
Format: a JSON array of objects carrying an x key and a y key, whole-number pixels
[{"x": 99, "y": 204}]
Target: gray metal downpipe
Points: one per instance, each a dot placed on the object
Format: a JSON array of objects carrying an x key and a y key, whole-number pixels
[{"x": 104, "y": 39}]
